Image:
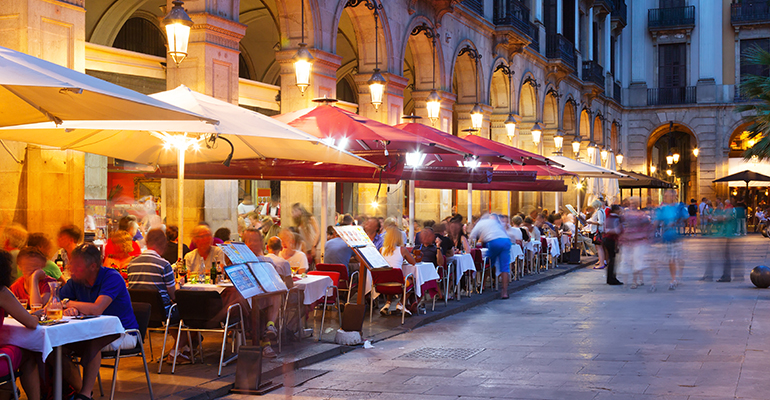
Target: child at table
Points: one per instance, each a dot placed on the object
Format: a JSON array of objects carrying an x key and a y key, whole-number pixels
[
  {"x": 22, "y": 360},
  {"x": 32, "y": 285}
]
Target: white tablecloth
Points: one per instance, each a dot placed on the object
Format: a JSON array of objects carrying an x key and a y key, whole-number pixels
[
  {"x": 423, "y": 272},
  {"x": 516, "y": 252},
  {"x": 314, "y": 287},
  {"x": 553, "y": 246},
  {"x": 463, "y": 263},
  {"x": 206, "y": 287},
  {"x": 45, "y": 338},
  {"x": 532, "y": 245}
]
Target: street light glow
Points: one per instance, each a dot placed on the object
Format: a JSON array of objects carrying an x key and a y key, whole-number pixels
[{"x": 178, "y": 25}]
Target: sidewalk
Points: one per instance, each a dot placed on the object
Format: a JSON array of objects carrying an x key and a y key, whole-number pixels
[{"x": 200, "y": 381}]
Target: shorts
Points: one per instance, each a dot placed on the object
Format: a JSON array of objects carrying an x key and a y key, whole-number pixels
[
  {"x": 124, "y": 342},
  {"x": 500, "y": 252},
  {"x": 692, "y": 220},
  {"x": 632, "y": 257},
  {"x": 673, "y": 251},
  {"x": 15, "y": 354}
]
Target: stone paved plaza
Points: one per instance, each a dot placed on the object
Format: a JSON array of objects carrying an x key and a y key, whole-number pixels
[{"x": 576, "y": 338}]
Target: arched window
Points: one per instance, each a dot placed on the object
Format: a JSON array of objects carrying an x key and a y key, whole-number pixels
[
  {"x": 243, "y": 67},
  {"x": 141, "y": 36}
]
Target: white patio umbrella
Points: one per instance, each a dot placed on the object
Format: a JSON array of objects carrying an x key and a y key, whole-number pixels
[
  {"x": 252, "y": 135},
  {"x": 34, "y": 90},
  {"x": 611, "y": 185},
  {"x": 594, "y": 186}
]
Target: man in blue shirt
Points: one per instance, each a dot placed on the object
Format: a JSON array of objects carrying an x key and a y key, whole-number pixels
[
  {"x": 336, "y": 251},
  {"x": 96, "y": 290}
]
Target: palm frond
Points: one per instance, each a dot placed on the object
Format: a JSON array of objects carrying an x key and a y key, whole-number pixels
[{"x": 757, "y": 88}]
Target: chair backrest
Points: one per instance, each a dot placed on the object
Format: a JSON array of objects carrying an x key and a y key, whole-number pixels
[
  {"x": 335, "y": 276},
  {"x": 476, "y": 254},
  {"x": 342, "y": 270},
  {"x": 153, "y": 298},
  {"x": 142, "y": 314},
  {"x": 384, "y": 275},
  {"x": 199, "y": 309}
]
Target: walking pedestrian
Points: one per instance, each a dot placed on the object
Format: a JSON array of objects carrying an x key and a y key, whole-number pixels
[
  {"x": 489, "y": 231},
  {"x": 635, "y": 244},
  {"x": 668, "y": 217},
  {"x": 612, "y": 229}
]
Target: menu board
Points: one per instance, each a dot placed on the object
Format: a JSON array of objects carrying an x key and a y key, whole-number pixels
[
  {"x": 243, "y": 280},
  {"x": 373, "y": 257},
  {"x": 353, "y": 235},
  {"x": 267, "y": 277},
  {"x": 238, "y": 253}
]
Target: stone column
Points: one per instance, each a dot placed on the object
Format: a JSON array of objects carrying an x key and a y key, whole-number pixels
[
  {"x": 560, "y": 16},
  {"x": 709, "y": 72},
  {"x": 637, "y": 88},
  {"x": 590, "y": 42},
  {"x": 606, "y": 57},
  {"x": 211, "y": 68},
  {"x": 44, "y": 188},
  {"x": 323, "y": 82}
]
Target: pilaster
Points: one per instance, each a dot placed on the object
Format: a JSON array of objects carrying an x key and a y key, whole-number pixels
[
  {"x": 391, "y": 109},
  {"x": 323, "y": 79}
]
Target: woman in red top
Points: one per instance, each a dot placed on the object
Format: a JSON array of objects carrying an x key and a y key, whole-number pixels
[{"x": 22, "y": 360}]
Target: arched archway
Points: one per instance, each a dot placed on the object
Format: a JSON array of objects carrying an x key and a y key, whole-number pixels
[
  {"x": 141, "y": 35},
  {"x": 599, "y": 129},
  {"x": 551, "y": 110},
  {"x": 528, "y": 100},
  {"x": 614, "y": 140},
  {"x": 465, "y": 84},
  {"x": 420, "y": 57},
  {"x": 672, "y": 139},
  {"x": 260, "y": 42}
]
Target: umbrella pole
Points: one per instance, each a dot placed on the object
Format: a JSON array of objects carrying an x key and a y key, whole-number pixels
[
  {"x": 411, "y": 212},
  {"x": 470, "y": 203},
  {"x": 324, "y": 216},
  {"x": 180, "y": 201}
]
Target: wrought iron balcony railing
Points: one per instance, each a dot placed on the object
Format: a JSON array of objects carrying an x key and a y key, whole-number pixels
[
  {"x": 616, "y": 92},
  {"x": 671, "y": 96},
  {"x": 593, "y": 72},
  {"x": 476, "y": 6},
  {"x": 671, "y": 18},
  {"x": 620, "y": 12},
  {"x": 558, "y": 47},
  {"x": 750, "y": 13},
  {"x": 534, "y": 33},
  {"x": 513, "y": 13}
]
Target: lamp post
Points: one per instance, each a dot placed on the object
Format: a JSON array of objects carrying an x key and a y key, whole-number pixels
[
  {"x": 178, "y": 25},
  {"x": 303, "y": 60}
]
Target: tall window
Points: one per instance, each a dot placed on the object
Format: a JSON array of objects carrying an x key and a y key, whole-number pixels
[
  {"x": 672, "y": 3},
  {"x": 549, "y": 16},
  {"x": 672, "y": 65},
  {"x": 141, "y": 36},
  {"x": 613, "y": 45},
  {"x": 746, "y": 66},
  {"x": 568, "y": 19}
]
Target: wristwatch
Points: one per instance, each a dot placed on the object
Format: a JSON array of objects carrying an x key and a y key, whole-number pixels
[{"x": 64, "y": 303}]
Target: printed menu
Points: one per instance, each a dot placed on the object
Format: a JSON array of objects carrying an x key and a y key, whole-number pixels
[
  {"x": 372, "y": 257},
  {"x": 243, "y": 280},
  {"x": 267, "y": 277},
  {"x": 353, "y": 235},
  {"x": 238, "y": 253}
]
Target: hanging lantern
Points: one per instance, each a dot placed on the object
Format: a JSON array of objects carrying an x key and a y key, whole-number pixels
[
  {"x": 477, "y": 117},
  {"x": 676, "y": 157},
  {"x": 669, "y": 158},
  {"x": 510, "y": 125},
  {"x": 604, "y": 153},
  {"x": 377, "y": 88},
  {"x": 576, "y": 145},
  {"x": 669, "y": 172},
  {"x": 303, "y": 63},
  {"x": 537, "y": 131},
  {"x": 653, "y": 169},
  {"x": 558, "y": 141},
  {"x": 619, "y": 159},
  {"x": 178, "y": 25},
  {"x": 695, "y": 152},
  {"x": 433, "y": 105}
]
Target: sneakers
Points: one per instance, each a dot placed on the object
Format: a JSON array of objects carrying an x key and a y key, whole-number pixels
[
  {"x": 400, "y": 307},
  {"x": 271, "y": 333},
  {"x": 268, "y": 352},
  {"x": 652, "y": 289},
  {"x": 672, "y": 286}
]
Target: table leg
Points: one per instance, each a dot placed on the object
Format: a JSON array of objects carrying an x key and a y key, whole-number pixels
[
  {"x": 458, "y": 279},
  {"x": 57, "y": 378}
]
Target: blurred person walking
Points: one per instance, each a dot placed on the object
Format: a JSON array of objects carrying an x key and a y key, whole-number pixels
[
  {"x": 668, "y": 217},
  {"x": 489, "y": 231},
  {"x": 308, "y": 229},
  {"x": 612, "y": 230},
  {"x": 634, "y": 244}
]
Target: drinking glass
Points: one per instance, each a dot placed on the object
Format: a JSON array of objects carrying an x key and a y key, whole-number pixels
[
  {"x": 35, "y": 307},
  {"x": 23, "y": 303}
]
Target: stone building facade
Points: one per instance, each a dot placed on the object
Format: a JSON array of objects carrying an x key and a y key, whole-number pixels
[{"x": 580, "y": 68}]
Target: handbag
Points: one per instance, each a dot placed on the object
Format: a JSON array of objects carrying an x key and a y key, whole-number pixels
[{"x": 597, "y": 239}]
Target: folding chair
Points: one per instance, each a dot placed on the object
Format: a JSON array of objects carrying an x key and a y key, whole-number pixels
[
  {"x": 142, "y": 313},
  {"x": 344, "y": 284},
  {"x": 11, "y": 377},
  {"x": 159, "y": 319},
  {"x": 199, "y": 312},
  {"x": 334, "y": 301}
]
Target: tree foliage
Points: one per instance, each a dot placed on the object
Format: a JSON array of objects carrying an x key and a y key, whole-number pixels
[{"x": 757, "y": 89}]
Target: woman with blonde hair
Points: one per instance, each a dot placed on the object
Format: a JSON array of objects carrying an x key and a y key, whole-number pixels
[
  {"x": 395, "y": 254},
  {"x": 308, "y": 229}
]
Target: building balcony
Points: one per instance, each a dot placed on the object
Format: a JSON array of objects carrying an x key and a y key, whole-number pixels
[
  {"x": 616, "y": 92},
  {"x": 671, "y": 18},
  {"x": 534, "y": 33},
  {"x": 476, "y": 6},
  {"x": 604, "y": 6},
  {"x": 512, "y": 13},
  {"x": 750, "y": 13},
  {"x": 593, "y": 73},
  {"x": 559, "y": 48},
  {"x": 671, "y": 96},
  {"x": 620, "y": 13}
]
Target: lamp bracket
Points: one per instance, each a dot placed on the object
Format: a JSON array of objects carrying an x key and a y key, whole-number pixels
[
  {"x": 572, "y": 101},
  {"x": 553, "y": 92},
  {"x": 370, "y": 4},
  {"x": 505, "y": 69},
  {"x": 471, "y": 52},
  {"x": 428, "y": 31},
  {"x": 532, "y": 81}
]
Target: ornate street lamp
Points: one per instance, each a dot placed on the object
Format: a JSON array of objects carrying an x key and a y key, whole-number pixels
[
  {"x": 653, "y": 169},
  {"x": 377, "y": 81},
  {"x": 512, "y": 120},
  {"x": 537, "y": 131},
  {"x": 477, "y": 117},
  {"x": 558, "y": 141},
  {"x": 605, "y": 153},
  {"x": 676, "y": 157},
  {"x": 303, "y": 60},
  {"x": 670, "y": 158},
  {"x": 477, "y": 114},
  {"x": 619, "y": 158},
  {"x": 178, "y": 25},
  {"x": 576, "y": 145},
  {"x": 433, "y": 104},
  {"x": 696, "y": 152}
]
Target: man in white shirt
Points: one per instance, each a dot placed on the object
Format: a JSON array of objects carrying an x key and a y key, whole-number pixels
[
  {"x": 491, "y": 233},
  {"x": 246, "y": 206},
  {"x": 199, "y": 260}
]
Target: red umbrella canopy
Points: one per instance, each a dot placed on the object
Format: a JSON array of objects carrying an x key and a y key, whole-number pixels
[
  {"x": 517, "y": 155},
  {"x": 453, "y": 143},
  {"x": 355, "y": 133},
  {"x": 541, "y": 170},
  {"x": 536, "y": 186}
]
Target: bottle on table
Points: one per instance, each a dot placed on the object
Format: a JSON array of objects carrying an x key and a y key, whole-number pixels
[
  {"x": 59, "y": 262},
  {"x": 181, "y": 269},
  {"x": 213, "y": 272},
  {"x": 54, "y": 310}
]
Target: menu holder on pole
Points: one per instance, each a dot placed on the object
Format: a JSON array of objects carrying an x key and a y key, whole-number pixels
[
  {"x": 238, "y": 252},
  {"x": 268, "y": 277},
  {"x": 244, "y": 280}
]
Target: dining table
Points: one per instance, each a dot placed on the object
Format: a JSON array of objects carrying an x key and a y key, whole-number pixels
[
  {"x": 462, "y": 262},
  {"x": 47, "y": 339}
]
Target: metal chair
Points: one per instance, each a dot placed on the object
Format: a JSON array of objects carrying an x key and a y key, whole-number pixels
[
  {"x": 11, "y": 377},
  {"x": 159, "y": 319},
  {"x": 345, "y": 281},
  {"x": 391, "y": 281},
  {"x": 199, "y": 312},
  {"x": 334, "y": 301},
  {"x": 142, "y": 313}
]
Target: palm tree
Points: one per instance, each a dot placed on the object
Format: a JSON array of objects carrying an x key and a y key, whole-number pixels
[{"x": 757, "y": 89}]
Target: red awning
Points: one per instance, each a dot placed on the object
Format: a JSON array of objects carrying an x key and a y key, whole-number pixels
[
  {"x": 356, "y": 133},
  {"x": 519, "y": 156},
  {"x": 536, "y": 186},
  {"x": 453, "y": 143},
  {"x": 542, "y": 170}
]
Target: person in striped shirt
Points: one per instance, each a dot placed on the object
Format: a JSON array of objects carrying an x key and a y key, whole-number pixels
[{"x": 151, "y": 271}]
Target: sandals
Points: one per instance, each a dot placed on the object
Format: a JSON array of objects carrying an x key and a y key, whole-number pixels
[{"x": 385, "y": 310}]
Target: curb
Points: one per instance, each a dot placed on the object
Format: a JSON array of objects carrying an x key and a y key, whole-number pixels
[{"x": 199, "y": 393}]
